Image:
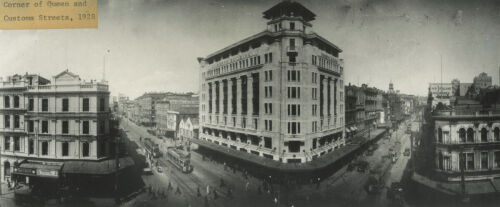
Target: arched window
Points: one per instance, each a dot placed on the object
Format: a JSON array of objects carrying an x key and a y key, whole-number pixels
[
  {"x": 496, "y": 133},
  {"x": 6, "y": 167},
  {"x": 440, "y": 135},
  {"x": 16, "y": 101},
  {"x": 484, "y": 135},
  {"x": 470, "y": 135},
  {"x": 461, "y": 134}
]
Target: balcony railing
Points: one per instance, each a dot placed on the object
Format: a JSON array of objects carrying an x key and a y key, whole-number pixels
[
  {"x": 467, "y": 113},
  {"x": 458, "y": 142},
  {"x": 10, "y": 84},
  {"x": 68, "y": 88}
]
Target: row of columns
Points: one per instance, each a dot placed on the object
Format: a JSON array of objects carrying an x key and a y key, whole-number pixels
[
  {"x": 239, "y": 96},
  {"x": 333, "y": 102}
]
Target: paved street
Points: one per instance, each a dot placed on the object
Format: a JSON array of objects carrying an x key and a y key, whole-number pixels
[
  {"x": 205, "y": 173},
  {"x": 342, "y": 188}
]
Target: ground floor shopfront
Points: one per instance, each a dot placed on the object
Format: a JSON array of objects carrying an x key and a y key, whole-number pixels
[{"x": 54, "y": 178}]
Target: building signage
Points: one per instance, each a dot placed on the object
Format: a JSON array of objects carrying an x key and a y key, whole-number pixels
[
  {"x": 441, "y": 89},
  {"x": 25, "y": 171},
  {"x": 47, "y": 173}
]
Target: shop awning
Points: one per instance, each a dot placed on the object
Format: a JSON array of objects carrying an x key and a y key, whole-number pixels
[
  {"x": 39, "y": 169},
  {"x": 355, "y": 128},
  {"x": 347, "y": 130},
  {"x": 101, "y": 167}
]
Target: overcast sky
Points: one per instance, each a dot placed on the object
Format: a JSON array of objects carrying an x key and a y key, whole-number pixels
[{"x": 154, "y": 44}]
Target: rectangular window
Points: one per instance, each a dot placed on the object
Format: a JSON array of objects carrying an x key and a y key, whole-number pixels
[
  {"x": 17, "y": 144},
  {"x": 484, "y": 160},
  {"x": 6, "y": 101},
  {"x": 470, "y": 161},
  {"x": 45, "y": 126},
  {"x": 268, "y": 91},
  {"x": 31, "y": 104},
  {"x": 497, "y": 159},
  {"x": 270, "y": 57},
  {"x": 31, "y": 126},
  {"x": 45, "y": 148},
  {"x": 292, "y": 25},
  {"x": 314, "y": 109},
  {"x": 268, "y": 125},
  {"x": 85, "y": 127},
  {"x": 85, "y": 149},
  {"x": 268, "y": 142},
  {"x": 6, "y": 143},
  {"x": 293, "y": 127},
  {"x": 292, "y": 44},
  {"x": 6, "y": 121},
  {"x": 65, "y": 148},
  {"x": 45, "y": 104},
  {"x": 293, "y": 92},
  {"x": 293, "y": 110},
  {"x": 293, "y": 75},
  {"x": 65, "y": 104},
  {"x": 16, "y": 121},
  {"x": 85, "y": 105},
  {"x": 101, "y": 104},
  {"x": 268, "y": 108},
  {"x": 65, "y": 127},
  {"x": 31, "y": 147}
]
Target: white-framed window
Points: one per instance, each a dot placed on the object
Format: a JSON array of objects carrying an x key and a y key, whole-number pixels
[
  {"x": 293, "y": 109},
  {"x": 293, "y": 127}
]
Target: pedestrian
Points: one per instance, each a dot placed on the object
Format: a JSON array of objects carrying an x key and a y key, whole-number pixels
[
  {"x": 247, "y": 185},
  {"x": 275, "y": 201},
  {"x": 208, "y": 189},
  {"x": 222, "y": 182},
  {"x": 198, "y": 193},
  {"x": 215, "y": 194},
  {"x": 178, "y": 191},
  {"x": 225, "y": 168},
  {"x": 169, "y": 186},
  {"x": 229, "y": 193},
  {"x": 259, "y": 191}
]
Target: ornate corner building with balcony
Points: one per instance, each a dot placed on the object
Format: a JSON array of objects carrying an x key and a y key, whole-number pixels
[
  {"x": 278, "y": 94},
  {"x": 46, "y": 125}
]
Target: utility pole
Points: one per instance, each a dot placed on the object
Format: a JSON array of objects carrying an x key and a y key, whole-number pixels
[{"x": 117, "y": 163}]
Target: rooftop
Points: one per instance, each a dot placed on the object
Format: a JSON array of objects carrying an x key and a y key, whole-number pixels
[{"x": 289, "y": 8}]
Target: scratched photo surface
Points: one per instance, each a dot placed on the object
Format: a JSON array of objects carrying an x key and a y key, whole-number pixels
[{"x": 254, "y": 103}]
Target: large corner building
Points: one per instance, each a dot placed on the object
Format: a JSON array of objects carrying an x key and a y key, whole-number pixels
[{"x": 278, "y": 94}]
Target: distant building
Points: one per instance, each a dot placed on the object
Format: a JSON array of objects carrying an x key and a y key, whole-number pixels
[
  {"x": 483, "y": 80},
  {"x": 147, "y": 105},
  {"x": 188, "y": 128},
  {"x": 175, "y": 117}
]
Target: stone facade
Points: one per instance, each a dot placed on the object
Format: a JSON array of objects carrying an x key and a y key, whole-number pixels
[
  {"x": 278, "y": 94},
  {"x": 62, "y": 119}
]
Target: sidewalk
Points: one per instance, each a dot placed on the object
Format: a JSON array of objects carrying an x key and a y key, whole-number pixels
[{"x": 7, "y": 196}]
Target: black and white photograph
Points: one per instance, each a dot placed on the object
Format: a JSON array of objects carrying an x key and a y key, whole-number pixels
[{"x": 250, "y": 103}]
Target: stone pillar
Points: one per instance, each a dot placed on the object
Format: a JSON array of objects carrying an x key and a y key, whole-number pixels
[
  {"x": 213, "y": 102},
  {"x": 250, "y": 100},
  {"x": 238, "y": 102},
  {"x": 221, "y": 101},
  {"x": 325, "y": 101},
  {"x": 229, "y": 99},
  {"x": 335, "y": 100}
]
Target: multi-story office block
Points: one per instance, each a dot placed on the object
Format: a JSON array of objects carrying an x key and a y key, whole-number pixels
[
  {"x": 47, "y": 124},
  {"x": 277, "y": 94}
]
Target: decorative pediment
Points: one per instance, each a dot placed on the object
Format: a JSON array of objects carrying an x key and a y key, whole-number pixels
[{"x": 67, "y": 76}]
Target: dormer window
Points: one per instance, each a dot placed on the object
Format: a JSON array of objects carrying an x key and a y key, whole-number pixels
[{"x": 292, "y": 25}]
